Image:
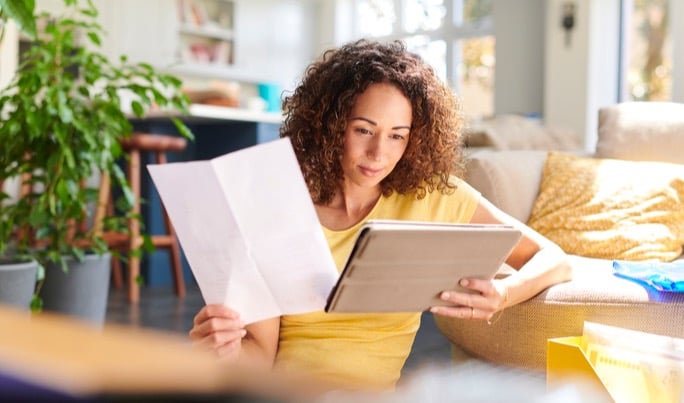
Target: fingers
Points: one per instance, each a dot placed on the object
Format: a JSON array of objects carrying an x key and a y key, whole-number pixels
[
  {"x": 219, "y": 329},
  {"x": 463, "y": 312},
  {"x": 215, "y": 318},
  {"x": 482, "y": 288},
  {"x": 480, "y": 305},
  {"x": 221, "y": 342},
  {"x": 216, "y": 331},
  {"x": 215, "y": 311}
]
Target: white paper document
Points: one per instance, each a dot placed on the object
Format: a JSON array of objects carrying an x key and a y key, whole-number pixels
[{"x": 249, "y": 230}]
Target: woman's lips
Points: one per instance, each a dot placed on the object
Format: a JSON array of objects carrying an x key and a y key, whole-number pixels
[{"x": 370, "y": 171}]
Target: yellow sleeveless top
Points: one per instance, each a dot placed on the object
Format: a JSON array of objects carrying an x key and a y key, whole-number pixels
[{"x": 366, "y": 350}]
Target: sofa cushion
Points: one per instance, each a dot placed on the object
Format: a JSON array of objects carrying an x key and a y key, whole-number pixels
[
  {"x": 645, "y": 131},
  {"x": 508, "y": 178},
  {"x": 611, "y": 209},
  {"x": 515, "y": 132}
]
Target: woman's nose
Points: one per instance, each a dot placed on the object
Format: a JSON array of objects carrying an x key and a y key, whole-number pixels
[{"x": 375, "y": 147}]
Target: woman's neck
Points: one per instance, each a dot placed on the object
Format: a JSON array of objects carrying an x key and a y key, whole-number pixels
[{"x": 348, "y": 208}]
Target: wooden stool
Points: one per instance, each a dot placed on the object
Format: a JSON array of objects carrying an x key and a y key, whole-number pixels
[{"x": 159, "y": 145}]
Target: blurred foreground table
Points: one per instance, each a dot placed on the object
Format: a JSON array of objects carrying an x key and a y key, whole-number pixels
[{"x": 48, "y": 357}]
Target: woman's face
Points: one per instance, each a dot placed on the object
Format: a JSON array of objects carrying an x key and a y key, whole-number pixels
[{"x": 376, "y": 135}]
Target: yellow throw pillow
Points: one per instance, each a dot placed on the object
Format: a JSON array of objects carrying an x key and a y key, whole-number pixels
[{"x": 611, "y": 209}]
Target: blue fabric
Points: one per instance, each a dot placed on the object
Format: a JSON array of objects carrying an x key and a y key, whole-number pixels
[{"x": 663, "y": 276}]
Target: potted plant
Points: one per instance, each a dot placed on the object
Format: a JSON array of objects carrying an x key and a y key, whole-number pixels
[
  {"x": 62, "y": 119},
  {"x": 17, "y": 273}
]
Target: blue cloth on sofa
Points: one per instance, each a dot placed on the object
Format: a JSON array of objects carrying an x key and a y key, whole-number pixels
[{"x": 663, "y": 276}]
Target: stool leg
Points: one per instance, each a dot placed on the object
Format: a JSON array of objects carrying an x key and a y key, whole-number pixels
[
  {"x": 134, "y": 227},
  {"x": 174, "y": 248},
  {"x": 105, "y": 207},
  {"x": 117, "y": 268},
  {"x": 179, "y": 282},
  {"x": 117, "y": 277}
]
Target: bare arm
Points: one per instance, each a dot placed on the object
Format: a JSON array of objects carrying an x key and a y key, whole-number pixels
[
  {"x": 539, "y": 263},
  {"x": 219, "y": 328}
]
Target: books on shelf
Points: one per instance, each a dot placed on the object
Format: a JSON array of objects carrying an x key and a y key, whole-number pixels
[
  {"x": 205, "y": 32},
  {"x": 216, "y": 14}
]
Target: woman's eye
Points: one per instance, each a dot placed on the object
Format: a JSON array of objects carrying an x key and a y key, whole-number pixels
[
  {"x": 398, "y": 137},
  {"x": 362, "y": 130}
]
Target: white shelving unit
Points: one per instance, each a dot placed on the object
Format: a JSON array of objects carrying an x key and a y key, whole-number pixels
[
  {"x": 219, "y": 72},
  {"x": 205, "y": 33}
]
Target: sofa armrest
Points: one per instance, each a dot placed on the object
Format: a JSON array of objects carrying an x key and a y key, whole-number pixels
[{"x": 509, "y": 179}]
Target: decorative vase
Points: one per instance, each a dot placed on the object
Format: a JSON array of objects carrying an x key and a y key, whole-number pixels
[
  {"x": 82, "y": 291},
  {"x": 17, "y": 282}
]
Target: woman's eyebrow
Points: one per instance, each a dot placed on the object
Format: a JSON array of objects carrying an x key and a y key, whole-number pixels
[{"x": 375, "y": 123}]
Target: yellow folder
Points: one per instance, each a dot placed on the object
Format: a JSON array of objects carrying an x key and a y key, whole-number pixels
[{"x": 620, "y": 375}]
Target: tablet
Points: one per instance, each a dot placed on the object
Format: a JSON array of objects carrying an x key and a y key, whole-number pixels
[{"x": 403, "y": 266}]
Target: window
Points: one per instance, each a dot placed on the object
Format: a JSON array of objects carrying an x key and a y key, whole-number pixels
[
  {"x": 454, "y": 36},
  {"x": 647, "y": 51}
]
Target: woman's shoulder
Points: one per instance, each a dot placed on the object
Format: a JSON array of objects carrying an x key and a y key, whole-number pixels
[
  {"x": 461, "y": 184},
  {"x": 457, "y": 186},
  {"x": 435, "y": 205},
  {"x": 458, "y": 189}
]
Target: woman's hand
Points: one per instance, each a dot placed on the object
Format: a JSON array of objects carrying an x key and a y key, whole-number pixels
[
  {"x": 491, "y": 296},
  {"x": 219, "y": 329}
]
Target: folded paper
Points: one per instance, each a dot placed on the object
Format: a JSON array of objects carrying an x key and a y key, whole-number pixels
[{"x": 249, "y": 230}]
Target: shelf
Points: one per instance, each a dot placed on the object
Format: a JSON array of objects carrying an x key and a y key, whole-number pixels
[
  {"x": 206, "y": 32},
  {"x": 245, "y": 115},
  {"x": 219, "y": 71}
]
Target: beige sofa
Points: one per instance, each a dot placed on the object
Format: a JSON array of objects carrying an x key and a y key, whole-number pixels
[{"x": 511, "y": 180}]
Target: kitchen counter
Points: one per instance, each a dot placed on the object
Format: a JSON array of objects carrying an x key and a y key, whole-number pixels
[{"x": 201, "y": 112}]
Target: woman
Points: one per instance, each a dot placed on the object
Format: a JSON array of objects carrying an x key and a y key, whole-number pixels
[{"x": 377, "y": 136}]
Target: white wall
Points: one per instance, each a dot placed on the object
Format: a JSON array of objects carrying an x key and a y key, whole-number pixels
[
  {"x": 582, "y": 76},
  {"x": 9, "y": 50},
  {"x": 331, "y": 24},
  {"x": 275, "y": 37},
  {"x": 519, "y": 83},
  {"x": 677, "y": 31}
]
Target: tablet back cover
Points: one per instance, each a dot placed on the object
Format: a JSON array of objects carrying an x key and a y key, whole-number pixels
[{"x": 403, "y": 266}]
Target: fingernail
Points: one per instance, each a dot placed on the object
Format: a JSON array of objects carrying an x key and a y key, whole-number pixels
[
  {"x": 445, "y": 295},
  {"x": 243, "y": 333},
  {"x": 463, "y": 282}
]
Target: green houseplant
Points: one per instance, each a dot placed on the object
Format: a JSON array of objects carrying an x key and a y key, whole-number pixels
[
  {"x": 62, "y": 119},
  {"x": 21, "y": 12},
  {"x": 17, "y": 274}
]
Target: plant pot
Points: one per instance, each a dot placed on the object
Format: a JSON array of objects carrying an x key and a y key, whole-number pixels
[
  {"x": 82, "y": 291},
  {"x": 17, "y": 282}
]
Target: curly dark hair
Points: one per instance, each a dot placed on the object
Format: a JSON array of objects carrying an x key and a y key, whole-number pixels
[{"x": 317, "y": 111}]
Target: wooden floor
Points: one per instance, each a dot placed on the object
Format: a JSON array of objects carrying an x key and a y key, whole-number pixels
[{"x": 160, "y": 309}]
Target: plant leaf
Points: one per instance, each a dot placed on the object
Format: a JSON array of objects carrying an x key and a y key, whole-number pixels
[{"x": 21, "y": 12}]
